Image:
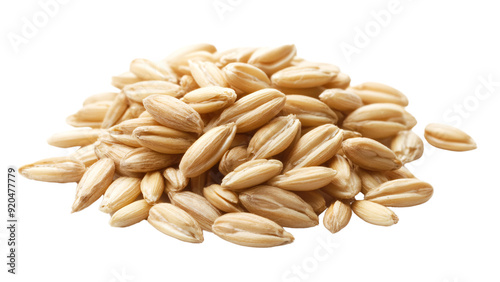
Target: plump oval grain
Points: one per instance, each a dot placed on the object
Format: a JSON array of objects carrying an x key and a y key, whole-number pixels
[
  {"x": 310, "y": 111},
  {"x": 370, "y": 154},
  {"x": 209, "y": 99},
  {"x": 206, "y": 73},
  {"x": 407, "y": 146},
  {"x": 315, "y": 147},
  {"x": 197, "y": 206},
  {"x": 163, "y": 139},
  {"x": 175, "y": 180},
  {"x": 253, "y": 110},
  {"x": 448, "y": 138},
  {"x": 406, "y": 192},
  {"x": 173, "y": 113},
  {"x": 245, "y": 77},
  {"x": 304, "y": 178},
  {"x": 303, "y": 76},
  {"x": 152, "y": 186},
  {"x": 251, "y": 230},
  {"x": 374, "y": 92},
  {"x": 274, "y": 137},
  {"x": 207, "y": 150},
  {"x": 175, "y": 222},
  {"x": 130, "y": 214},
  {"x": 374, "y": 213},
  {"x": 121, "y": 192},
  {"x": 281, "y": 206},
  {"x": 377, "y": 121},
  {"x": 251, "y": 173},
  {"x": 93, "y": 184},
  {"x": 272, "y": 59},
  {"x": 340, "y": 99},
  {"x": 337, "y": 216},
  {"x": 143, "y": 160},
  {"x": 139, "y": 91}
]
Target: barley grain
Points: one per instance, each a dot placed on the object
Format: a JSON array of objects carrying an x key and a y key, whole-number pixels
[{"x": 448, "y": 138}]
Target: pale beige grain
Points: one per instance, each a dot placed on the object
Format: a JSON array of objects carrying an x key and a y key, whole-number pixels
[
  {"x": 447, "y": 137},
  {"x": 251, "y": 230},
  {"x": 143, "y": 160},
  {"x": 337, "y": 216},
  {"x": 210, "y": 99},
  {"x": 163, "y": 139},
  {"x": 175, "y": 222},
  {"x": 405, "y": 192},
  {"x": 304, "y": 178},
  {"x": 310, "y": 111},
  {"x": 370, "y": 154},
  {"x": 139, "y": 91},
  {"x": 207, "y": 74},
  {"x": 207, "y": 150},
  {"x": 121, "y": 192},
  {"x": 303, "y": 76},
  {"x": 340, "y": 99},
  {"x": 374, "y": 213},
  {"x": 377, "y": 121},
  {"x": 115, "y": 111},
  {"x": 93, "y": 184},
  {"x": 254, "y": 110},
  {"x": 271, "y": 60},
  {"x": 175, "y": 180},
  {"x": 152, "y": 186},
  {"x": 374, "y": 92},
  {"x": 407, "y": 146},
  {"x": 251, "y": 173},
  {"x": 173, "y": 113},
  {"x": 72, "y": 138},
  {"x": 245, "y": 77},
  {"x": 59, "y": 169},
  {"x": 274, "y": 137},
  {"x": 130, "y": 214},
  {"x": 281, "y": 206},
  {"x": 197, "y": 206},
  {"x": 315, "y": 147}
]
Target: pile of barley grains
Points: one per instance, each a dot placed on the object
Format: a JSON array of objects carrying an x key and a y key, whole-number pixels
[{"x": 242, "y": 143}]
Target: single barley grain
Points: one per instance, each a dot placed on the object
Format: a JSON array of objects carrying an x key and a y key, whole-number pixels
[
  {"x": 448, "y": 138},
  {"x": 251, "y": 230}
]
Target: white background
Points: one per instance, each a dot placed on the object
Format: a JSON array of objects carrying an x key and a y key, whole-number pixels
[{"x": 436, "y": 52}]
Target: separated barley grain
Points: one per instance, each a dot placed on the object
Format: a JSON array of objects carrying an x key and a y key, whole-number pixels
[{"x": 448, "y": 138}]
